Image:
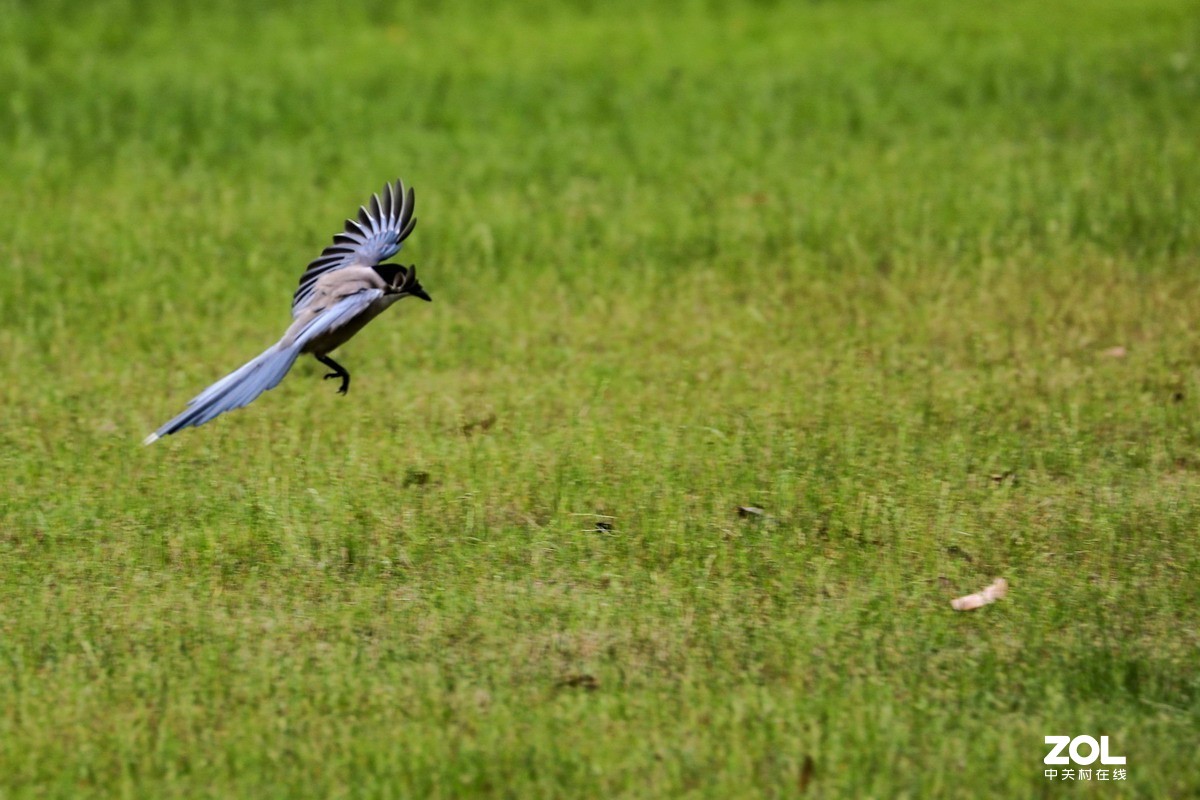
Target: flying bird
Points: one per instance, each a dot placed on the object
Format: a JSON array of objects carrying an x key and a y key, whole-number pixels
[{"x": 340, "y": 292}]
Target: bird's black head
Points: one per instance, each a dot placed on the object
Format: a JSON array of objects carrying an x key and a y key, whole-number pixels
[{"x": 402, "y": 280}]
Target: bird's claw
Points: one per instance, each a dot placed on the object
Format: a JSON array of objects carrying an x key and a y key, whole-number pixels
[{"x": 345, "y": 387}]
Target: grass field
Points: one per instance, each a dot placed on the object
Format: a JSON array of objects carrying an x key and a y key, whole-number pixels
[{"x": 860, "y": 264}]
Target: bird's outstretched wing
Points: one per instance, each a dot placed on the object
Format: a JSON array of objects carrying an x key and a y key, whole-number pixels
[{"x": 377, "y": 234}]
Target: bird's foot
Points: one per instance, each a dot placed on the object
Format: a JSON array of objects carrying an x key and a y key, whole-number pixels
[
  {"x": 345, "y": 387},
  {"x": 338, "y": 372}
]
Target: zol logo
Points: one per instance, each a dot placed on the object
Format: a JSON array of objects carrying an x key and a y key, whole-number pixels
[{"x": 1073, "y": 748}]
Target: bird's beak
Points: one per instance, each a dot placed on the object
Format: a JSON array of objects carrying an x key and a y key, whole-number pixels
[{"x": 410, "y": 285}]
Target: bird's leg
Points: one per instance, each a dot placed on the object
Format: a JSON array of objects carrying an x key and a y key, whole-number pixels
[{"x": 338, "y": 372}]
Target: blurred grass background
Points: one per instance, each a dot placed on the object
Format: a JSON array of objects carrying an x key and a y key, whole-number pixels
[{"x": 861, "y": 264}]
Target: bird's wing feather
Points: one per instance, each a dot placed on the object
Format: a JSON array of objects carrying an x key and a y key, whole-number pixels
[
  {"x": 333, "y": 317},
  {"x": 375, "y": 236}
]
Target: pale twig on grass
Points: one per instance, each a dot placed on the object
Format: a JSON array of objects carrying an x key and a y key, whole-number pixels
[{"x": 991, "y": 594}]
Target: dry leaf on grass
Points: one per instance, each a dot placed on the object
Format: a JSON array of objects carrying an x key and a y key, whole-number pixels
[
  {"x": 414, "y": 477},
  {"x": 579, "y": 681},
  {"x": 807, "y": 770},
  {"x": 479, "y": 425},
  {"x": 756, "y": 514},
  {"x": 991, "y": 594}
]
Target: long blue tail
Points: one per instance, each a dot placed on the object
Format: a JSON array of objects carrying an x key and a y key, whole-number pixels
[{"x": 237, "y": 389}]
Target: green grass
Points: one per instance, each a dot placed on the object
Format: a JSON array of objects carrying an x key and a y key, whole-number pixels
[{"x": 856, "y": 263}]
